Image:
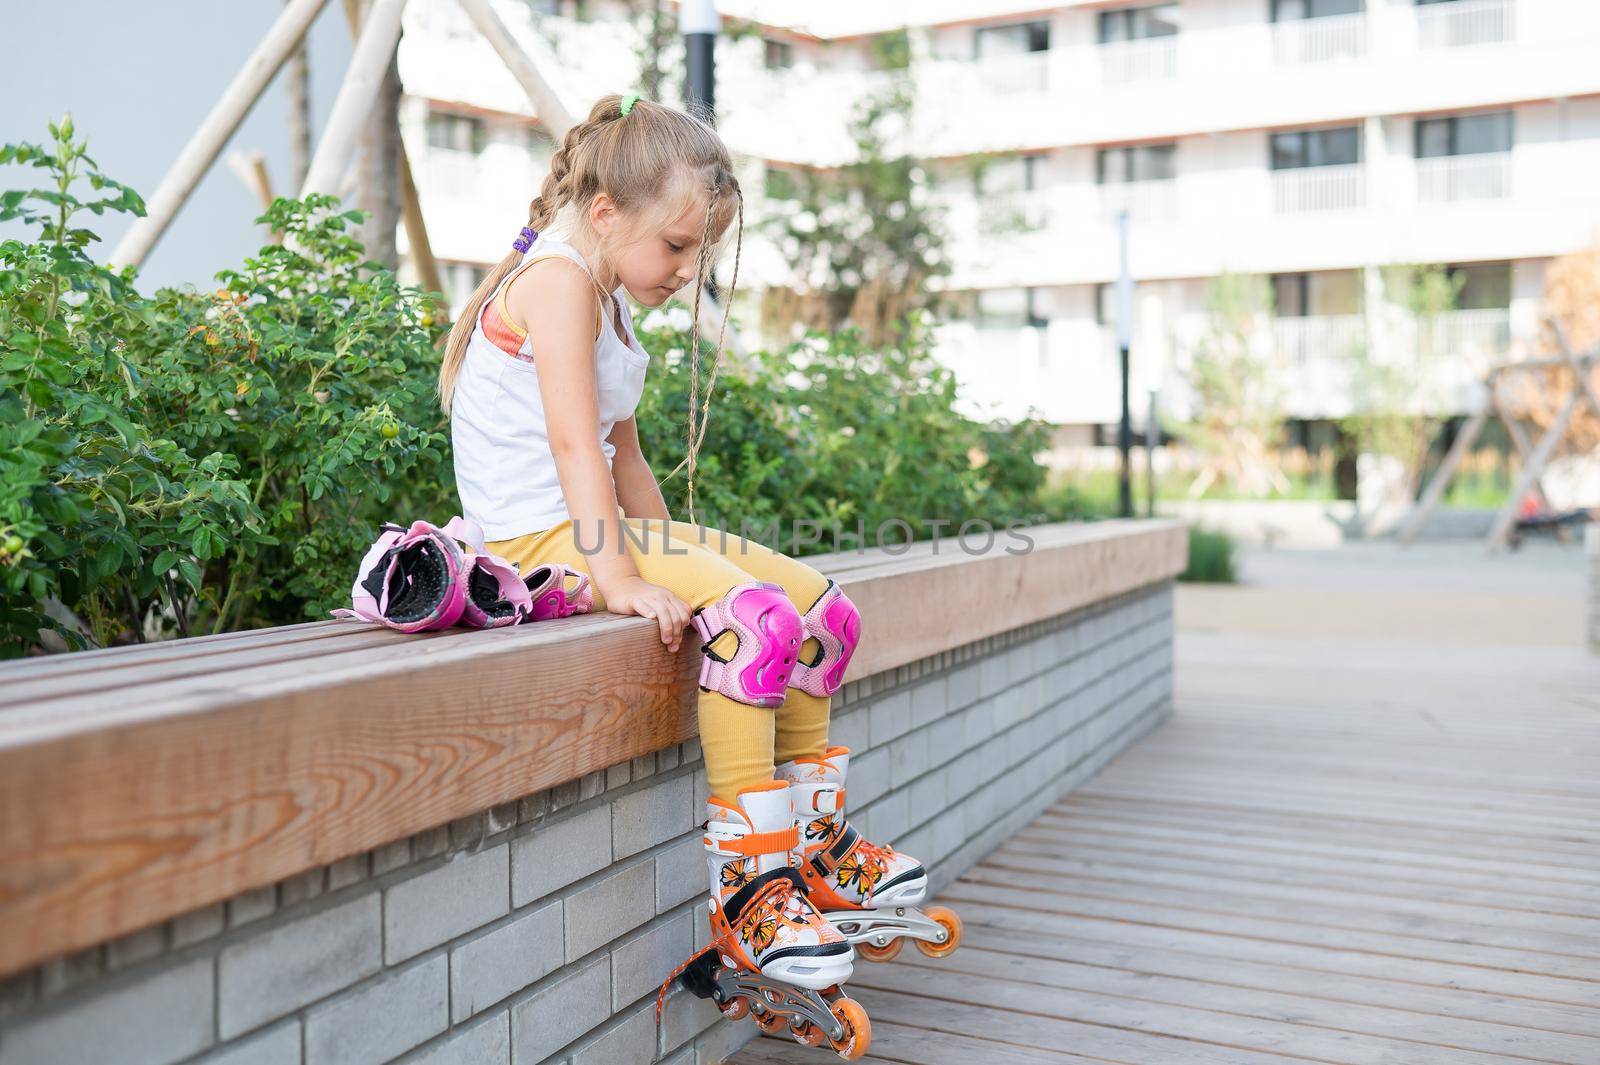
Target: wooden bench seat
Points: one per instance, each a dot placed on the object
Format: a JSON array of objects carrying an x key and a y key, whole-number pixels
[{"x": 139, "y": 783}]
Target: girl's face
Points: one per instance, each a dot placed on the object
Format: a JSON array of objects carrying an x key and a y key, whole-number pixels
[{"x": 656, "y": 265}]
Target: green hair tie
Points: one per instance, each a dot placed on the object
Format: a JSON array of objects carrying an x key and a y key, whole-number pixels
[{"x": 628, "y": 101}]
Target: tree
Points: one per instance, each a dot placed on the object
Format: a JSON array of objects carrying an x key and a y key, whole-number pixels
[
  {"x": 1572, "y": 298},
  {"x": 1238, "y": 403},
  {"x": 864, "y": 241}
]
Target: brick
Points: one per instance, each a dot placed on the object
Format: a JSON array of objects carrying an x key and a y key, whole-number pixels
[
  {"x": 715, "y": 1045},
  {"x": 468, "y": 833},
  {"x": 197, "y": 925},
  {"x": 534, "y": 807},
  {"x": 702, "y": 790},
  {"x": 505, "y": 960},
  {"x": 381, "y": 1020},
  {"x": 849, "y": 730},
  {"x": 391, "y": 856},
  {"x": 593, "y": 784},
  {"x": 488, "y": 1043},
  {"x": 680, "y": 872},
  {"x": 152, "y": 1022},
  {"x": 276, "y": 1046},
  {"x": 611, "y": 906},
  {"x": 464, "y": 893},
  {"x": 297, "y": 889},
  {"x": 642, "y": 819},
  {"x": 19, "y": 993},
  {"x": 430, "y": 844},
  {"x": 889, "y": 717},
  {"x": 928, "y": 797},
  {"x": 347, "y": 871},
  {"x": 644, "y": 766},
  {"x": 502, "y": 818},
  {"x": 869, "y": 776},
  {"x": 891, "y": 816},
  {"x": 141, "y": 946},
  {"x": 683, "y": 1017},
  {"x": 278, "y": 971},
  {"x": 667, "y": 758},
  {"x": 72, "y": 970},
  {"x": 252, "y": 906},
  {"x": 930, "y": 701},
  {"x": 638, "y": 965},
  {"x": 558, "y": 853},
  {"x": 618, "y": 775},
  {"x": 908, "y": 758},
  {"x": 562, "y": 1012},
  {"x": 630, "y": 1042}
]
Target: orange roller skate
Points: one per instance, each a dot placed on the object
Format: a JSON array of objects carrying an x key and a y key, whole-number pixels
[
  {"x": 772, "y": 955},
  {"x": 870, "y": 893}
]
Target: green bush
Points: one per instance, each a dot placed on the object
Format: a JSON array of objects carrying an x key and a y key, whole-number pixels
[
  {"x": 842, "y": 435},
  {"x": 189, "y": 461},
  {"x": 186, "y": 462},
  {"x": 1210, "y": 557}
]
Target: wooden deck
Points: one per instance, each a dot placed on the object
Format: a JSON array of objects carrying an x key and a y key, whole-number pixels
[{"x": 1337, "y": 851}]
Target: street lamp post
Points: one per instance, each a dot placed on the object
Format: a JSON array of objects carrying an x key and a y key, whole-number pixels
[
  {"x": 1124, "y": 341},
  {"x": 699, "y": 23}
]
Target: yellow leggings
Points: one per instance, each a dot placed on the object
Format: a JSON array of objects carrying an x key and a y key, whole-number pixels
[{"x": 742, "y": 743}]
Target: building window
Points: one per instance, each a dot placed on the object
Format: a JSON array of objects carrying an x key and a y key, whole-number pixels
[
  {"x": 1327, "y": 292},
  {"x": 1316, "y": 147},
  {"x": 1484, "y": 286},
  {"x": 1016, "y": 38},
  {"x": 1008, "y": 308},
  {"x": 456, "y": 133},
  {"x": 1290, "y": 10},
  {"x": 1464, "y": 134},
  {"x": 1015, "y": 173},
  {"x": 1137, "y": 23},
  {"x": 1138, "y": 162},
  {"x": 778, "y": 55}
]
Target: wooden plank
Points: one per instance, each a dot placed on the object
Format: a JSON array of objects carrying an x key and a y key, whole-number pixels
[
  {"x": 1297, "y": 979},
  {"x": 903, "y": 1043},
  {"x": 1399, "y": 1032}
]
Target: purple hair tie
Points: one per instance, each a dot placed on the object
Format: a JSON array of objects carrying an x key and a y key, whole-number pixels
[{"x": 525, "y": 240}]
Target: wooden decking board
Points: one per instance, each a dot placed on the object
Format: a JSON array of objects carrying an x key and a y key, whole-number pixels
[
  {"x": 1515, "y": 897},
  {"x": 1394, "y": 861}
]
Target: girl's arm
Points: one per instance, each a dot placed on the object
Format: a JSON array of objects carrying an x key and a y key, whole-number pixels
[
  {"x": 562, "y": 302},
  {"x": 637, "y": 490}
]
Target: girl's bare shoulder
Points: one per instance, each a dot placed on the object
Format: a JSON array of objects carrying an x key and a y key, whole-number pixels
[{"x": 554, "y": 298}]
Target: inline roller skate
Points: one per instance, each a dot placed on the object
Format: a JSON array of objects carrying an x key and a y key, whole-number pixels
[
  {"x": 869, "y": 892},
  {"x": 772, "y": 956}
]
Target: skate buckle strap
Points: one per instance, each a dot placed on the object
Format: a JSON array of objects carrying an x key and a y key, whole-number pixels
[
  {"x": 817, "y": 798},
  {"x": 732, "y": 838}
]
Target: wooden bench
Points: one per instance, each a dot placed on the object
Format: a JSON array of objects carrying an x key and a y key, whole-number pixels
[{"x": 141, "y": 783}]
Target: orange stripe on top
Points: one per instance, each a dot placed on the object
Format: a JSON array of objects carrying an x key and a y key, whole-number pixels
[{"x": 502, "y": 333}]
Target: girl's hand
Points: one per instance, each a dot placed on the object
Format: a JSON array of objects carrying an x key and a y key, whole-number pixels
[{"x": 637, "y": 596}]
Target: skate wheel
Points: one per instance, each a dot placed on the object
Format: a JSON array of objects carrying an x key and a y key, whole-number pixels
[
  {"x": 857, "y": 1029},
  {"x": 770, "y": 1022},
  {"x": 736, "y": 1009},
  {"x": 808, "y": 1034},
  {"x": 946, "y": 919},
  {"x": 887, "y": 952}
]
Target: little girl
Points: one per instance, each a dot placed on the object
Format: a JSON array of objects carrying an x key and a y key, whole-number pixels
[{"x": 541, "y": 378}]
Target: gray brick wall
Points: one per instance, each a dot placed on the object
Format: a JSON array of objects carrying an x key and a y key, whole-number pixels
[{"x": 537, "y": 933}]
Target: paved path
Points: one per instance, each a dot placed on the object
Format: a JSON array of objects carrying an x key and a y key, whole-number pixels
[{"x": 1341, "y": 849}]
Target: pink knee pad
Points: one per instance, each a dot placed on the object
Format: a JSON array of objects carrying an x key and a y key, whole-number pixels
[
  {"x": 835, "y": 624},
  {"x": 768, "y": 628}
]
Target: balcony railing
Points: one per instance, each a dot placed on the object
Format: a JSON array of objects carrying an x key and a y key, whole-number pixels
[
  {"x": 1464, "y": 177},
  {"x": 1465, "y": 22},
  {"x": 1027, "y": 72},
  {"x": 1320, "y": 40},
  {"x": 1302, "y": 341},
  {"x": 1478, "y": 336},
  {"x": 1318, "y": 188},
  {"x": 1018, "y": 211},
  {"x": 1147, "y": 202},
  {"x": 1148, "y": 59}
]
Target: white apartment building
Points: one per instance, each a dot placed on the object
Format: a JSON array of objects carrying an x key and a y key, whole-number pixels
[{"x": 1312, "y": 142}]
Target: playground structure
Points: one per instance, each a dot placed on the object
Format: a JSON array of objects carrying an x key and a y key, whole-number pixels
[
  {"x": 376, "y": 26},
  {"x": 1578, "y": 394}
]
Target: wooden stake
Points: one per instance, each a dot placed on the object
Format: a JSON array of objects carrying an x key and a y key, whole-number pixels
[
  {"x": 213, "y": 135},
  {"x": 373, "y": 53},
  {"x": 1530, "y": 473},
  {"x": 1459, "y": 450}
]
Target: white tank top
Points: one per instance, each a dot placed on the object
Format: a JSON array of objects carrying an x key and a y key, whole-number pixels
[{"x": 505, "y": 474}]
